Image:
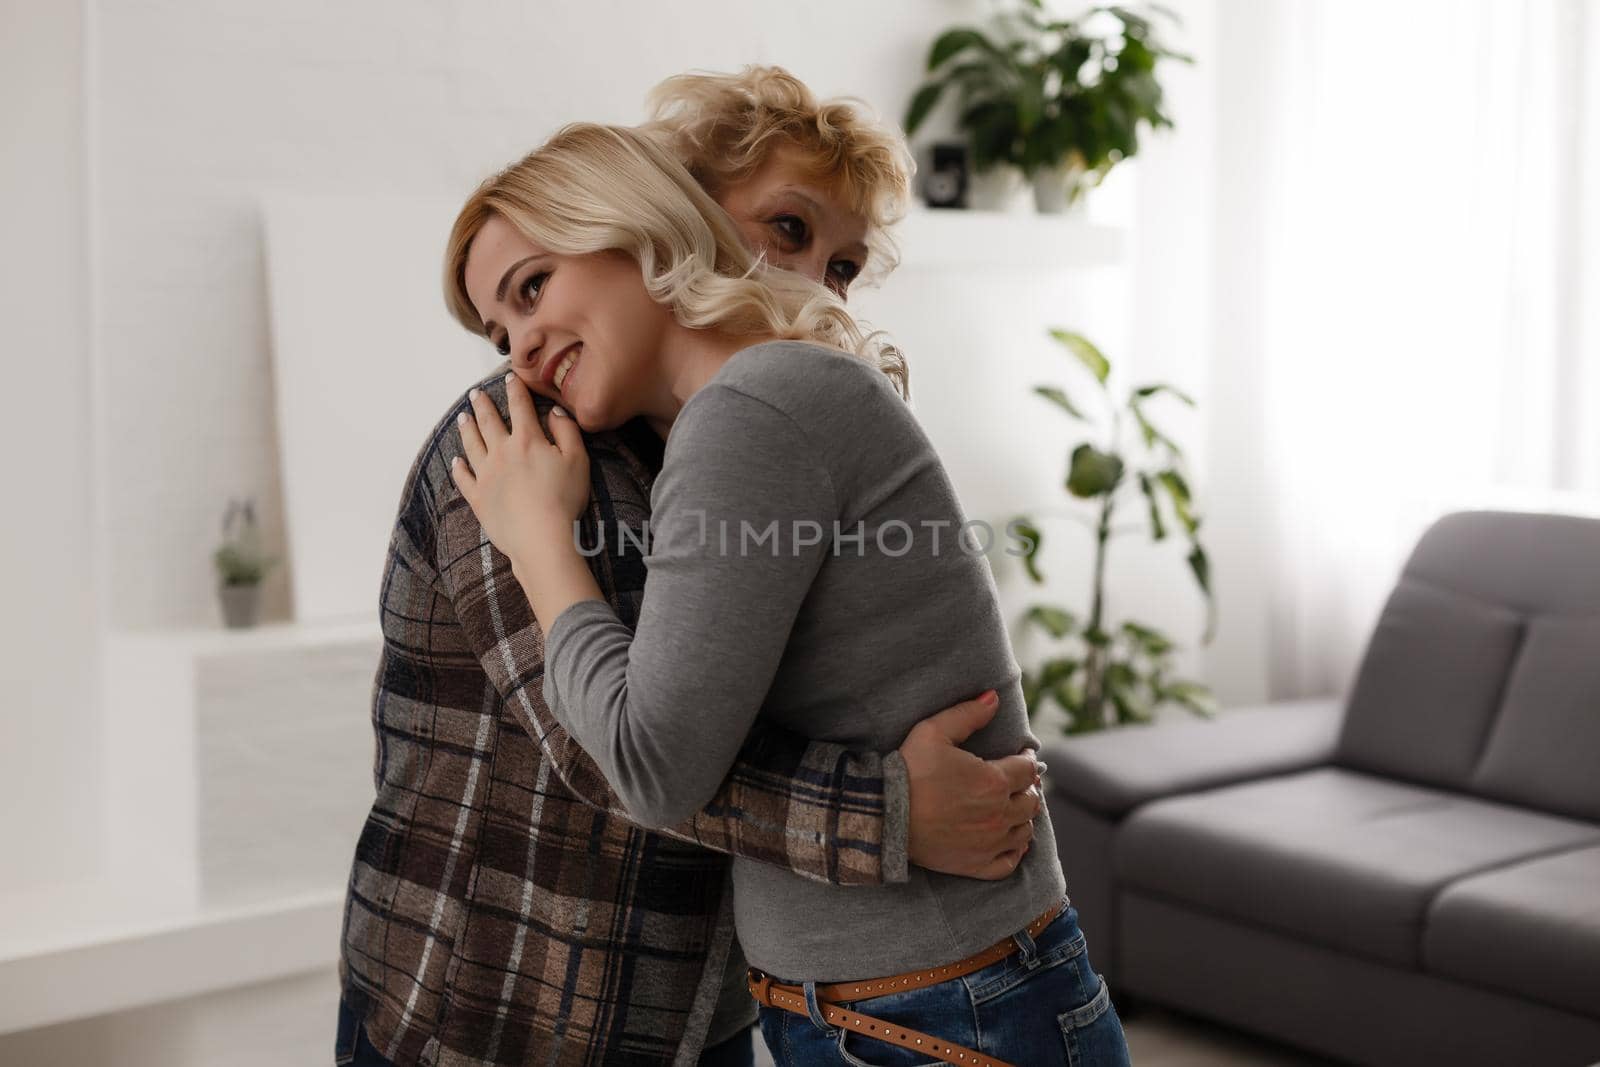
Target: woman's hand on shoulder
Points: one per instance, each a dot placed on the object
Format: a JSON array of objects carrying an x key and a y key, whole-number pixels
[{"x": 525, "y": 489}]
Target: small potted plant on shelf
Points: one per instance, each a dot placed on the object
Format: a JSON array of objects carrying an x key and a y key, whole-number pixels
[
  {"x": 1102, "y": 673},
  {"x": 1058, "y": 102},
  {"x": 241, "y": 565}
]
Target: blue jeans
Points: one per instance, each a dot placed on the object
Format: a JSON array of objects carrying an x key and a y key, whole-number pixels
[
  {"x": 1041, "y": 1005},
  {"x": 738, "y": 1051},
  {"x": 350, "y": 1045}
]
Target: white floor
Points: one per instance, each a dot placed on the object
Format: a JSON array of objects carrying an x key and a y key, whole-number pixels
[{"x": 290, "y": 1024}]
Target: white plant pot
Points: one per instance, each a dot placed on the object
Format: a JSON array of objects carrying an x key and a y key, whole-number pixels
[
  {"x": 241, "y": 605},
  {"x": 1059, "y": 190},
  {"x": 997, "y": 189}
]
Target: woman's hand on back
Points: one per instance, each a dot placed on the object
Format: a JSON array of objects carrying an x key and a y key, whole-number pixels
[{"x": 969, "y": 816}]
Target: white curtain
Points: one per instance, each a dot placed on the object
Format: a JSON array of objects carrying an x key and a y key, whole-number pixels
[{"x": 1427, "y": 254}]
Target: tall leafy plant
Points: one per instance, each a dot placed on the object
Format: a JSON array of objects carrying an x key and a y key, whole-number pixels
[
  {"x": 1103, "y": 673},
  {"x": 1037, "y": 92}
]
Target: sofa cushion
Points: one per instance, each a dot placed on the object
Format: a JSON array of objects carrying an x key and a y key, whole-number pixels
[
  {"x": 1429, "y": 685},
  {"x": 1532, "y": 928},
  {"x": 1544, "y": 747},
  {"x": 1340, "y": 858},
  {"x": 1526, "y": 562},
  {"x": 1113, "y": 771}
]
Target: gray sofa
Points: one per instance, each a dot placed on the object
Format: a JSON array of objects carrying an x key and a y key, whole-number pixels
[{"x": 1409, "y": 876}]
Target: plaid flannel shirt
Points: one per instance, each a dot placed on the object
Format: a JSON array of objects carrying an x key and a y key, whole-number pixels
[{"x": 501, "y": 907}]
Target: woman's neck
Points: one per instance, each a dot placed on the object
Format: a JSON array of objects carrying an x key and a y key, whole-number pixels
[{"x": 689, "y": 359}]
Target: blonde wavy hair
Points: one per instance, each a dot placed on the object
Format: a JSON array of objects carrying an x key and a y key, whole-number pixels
[
  {"x": 725, "y": 127},
  {"x": 594, "y": 188}
]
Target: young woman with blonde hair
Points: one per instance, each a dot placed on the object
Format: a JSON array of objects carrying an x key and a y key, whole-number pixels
[
  {"x": 503, "y": 906},
  {"x": 805, "y": 559}
]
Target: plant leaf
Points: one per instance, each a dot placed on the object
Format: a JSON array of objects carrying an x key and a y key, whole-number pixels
[
  {"x": 1201, "y": 567},
  {"x": 1130, "y": 709},
  {"x": 1025, "y": 528},
  {"x": 1087, "y": 353},
  {"x": 1200, "y": 564},
  {"x": 1069, "y": 696},
  {"x": 1055, "y": 671},
  {"x": 1145, "y": 391},
  {"x": 1093, "y": 472},
  {"x": 1151, "y": 640},
  {"x": 1166, "y": 12},
  {"x": 1057, "y": 622},
  {"x": 1157, "y": 527},
  {"x": 1178, "y": 490},
  {"x": 922, "y": 104},
  {"x": 1060, "y": 398},
  {"x": 952, "y": 43},
  {"x": 1148, "y": 431},
  {"x": 1119, "y": 673},
  {"x": 1192, "y": 695},
  {"x": 1030, "y": 692}
]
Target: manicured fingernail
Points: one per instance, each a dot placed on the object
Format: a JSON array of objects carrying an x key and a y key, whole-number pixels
[
  {"x": 557, "y": 411},
  {"x": 461, "y": 418},
  {"x": 990, "y": 697},
  {"x": 474, "y": 393},
  {"x": 509, "y": 375}
]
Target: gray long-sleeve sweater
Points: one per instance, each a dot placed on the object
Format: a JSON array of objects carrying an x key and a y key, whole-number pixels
[{"x": 805, "y": 560}]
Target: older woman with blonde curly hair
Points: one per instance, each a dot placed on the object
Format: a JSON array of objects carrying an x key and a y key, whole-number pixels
[{"x": 505, "y": 906}]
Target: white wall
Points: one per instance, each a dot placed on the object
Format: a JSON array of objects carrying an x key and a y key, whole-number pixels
[
  {"x": 138, "y": 134},
  {"x": 199, "y": 106},
  {"x": 48, "y": 746}
]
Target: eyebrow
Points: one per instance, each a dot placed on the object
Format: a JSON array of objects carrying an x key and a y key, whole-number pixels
[
  {"x": 796, "y": 192},
  {"x": 505, "y": 279}
]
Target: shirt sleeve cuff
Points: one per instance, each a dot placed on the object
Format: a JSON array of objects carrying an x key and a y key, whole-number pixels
[{"x": 896, "y": 818}]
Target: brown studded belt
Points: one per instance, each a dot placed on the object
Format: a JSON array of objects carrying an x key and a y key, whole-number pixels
[{"x": 793, "y": 998}]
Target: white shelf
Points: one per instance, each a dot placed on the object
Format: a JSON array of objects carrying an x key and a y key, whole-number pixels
[
  {"x": 266, "y": 637},
  {"x": 95, "y": 947},
  {"x": 237, "y": 773},
  {"x": 948, "y": 238}
]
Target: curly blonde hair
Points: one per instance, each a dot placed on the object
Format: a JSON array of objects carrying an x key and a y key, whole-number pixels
[
  {"x": 594, "y": 188},
  {"x": 725, "y": 127}
]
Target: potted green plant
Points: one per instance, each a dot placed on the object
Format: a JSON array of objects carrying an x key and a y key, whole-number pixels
[
  {"x": 241, "y": 565},
  {"x": 1099, "y": 672},
  {"x": 1058, "y": 102}
]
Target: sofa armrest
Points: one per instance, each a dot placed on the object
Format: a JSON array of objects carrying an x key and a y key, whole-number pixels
[{"x": 1113, "y": 772}]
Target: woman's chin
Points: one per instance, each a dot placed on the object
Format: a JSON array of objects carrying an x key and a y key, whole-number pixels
[
  {"x": 594, "y": 419},
  {"x": 585, "y": 416}
]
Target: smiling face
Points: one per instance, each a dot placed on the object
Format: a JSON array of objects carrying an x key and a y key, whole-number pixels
[
  {"x": 800, "y": 224},
  {"x": 580, "y": 330}
]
